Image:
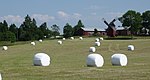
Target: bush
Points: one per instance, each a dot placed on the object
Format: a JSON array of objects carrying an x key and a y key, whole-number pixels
[{"x": 7, "y": 36}]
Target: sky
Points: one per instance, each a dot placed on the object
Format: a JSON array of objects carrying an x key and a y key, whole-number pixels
[{"x": 60, "y": 12}]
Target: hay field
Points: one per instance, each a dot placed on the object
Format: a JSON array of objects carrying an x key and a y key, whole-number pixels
[{"x": 68, "y": 61}]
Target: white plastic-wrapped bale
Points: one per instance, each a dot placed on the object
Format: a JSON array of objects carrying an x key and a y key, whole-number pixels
[
  {"x": 130, "y": 47},
  {"x": 64, "y": 39},
  {"x": 40, "y": 40},
  {"x": 0, "y": 76},
  {"x": 97, "y": 43},
  {"x": 33, "y": 43},
  {"x": 41, "y": 59},
  {"x": 95, "y": 60},
  {"x": 44, "y": 36},
  {"x": 59, "y": 42},
  {"x": 119, "y": 59},
  {"x": 5, "y": 48},
  {"x": 97, "y": 39},
  {"x": 92, "y": 49},
  {"x": 101, "y": 38},
  {"x": 72, "y": 38},
  {"x": 81, "y": 38}
]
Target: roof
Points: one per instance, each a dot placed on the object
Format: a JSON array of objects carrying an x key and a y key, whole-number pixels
[{"x": 92, "y": 29}]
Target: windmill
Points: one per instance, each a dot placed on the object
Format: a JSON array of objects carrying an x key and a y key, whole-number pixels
[{"x": 111, "y": 30}]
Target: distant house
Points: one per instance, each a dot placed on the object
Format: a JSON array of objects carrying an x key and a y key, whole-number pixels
[
  {"x": 90, "y": 32},
  {"x": 123, "y": 31}
]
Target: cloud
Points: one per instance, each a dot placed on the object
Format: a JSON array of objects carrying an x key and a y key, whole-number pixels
[
  {"x": 43, "y": 18},
  {"x": 13, "y": 19},
  {"x": 65, "y": 16},
  {"x": 115, "y": 14}
]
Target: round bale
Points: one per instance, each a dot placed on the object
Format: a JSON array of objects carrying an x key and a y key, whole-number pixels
[
  {"x": 119, "y": 59},
  {"x": 101, "y": 38},
  {"x": 59, "y": 42},
  {"x": 97, "y": 43},
  {"x": 97, "y": 39},
  {"x": 44, "y": 36},
  {"x": 130, "y": 47},
  {"x": 0, "y": 76},
  {"x": 5, "y": 48},
  {"x": 33, "y": 43},
  {"x": 72, "y": 38},
  {"x": 95, "y": 60},
  {"x": 92, "y": 49},
  {"x": 41, "y": 59},
  {"x": 64, "y": 39},
  {"x": 81, "y": 38},
  {"x": 40, "y": 40}
]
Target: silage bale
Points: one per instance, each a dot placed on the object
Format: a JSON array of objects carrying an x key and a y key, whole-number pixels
[
  {"x": 64, "y": 39},
  {"x": 97, "y": 43},
  {"x": 59, "y": 42},
  {"x": 97, "y": 39},
  {"x": 130, "y": 47},
  {"x": 81, "y": 38},
  {"x": 101, "y": 38},
  {"x": 33, "y": 43},
  {"x": 95, "y": 60},
  {"x": 40, "y": 40},
  {"x": 119, "y": 59},
  {"x": 72, "y": 38},
  {"x": 5, "y": 48},
  {"x": 41, "y": 59},
  {"x": 0, "y": 76},
  {"x": 92, "y": 49}
]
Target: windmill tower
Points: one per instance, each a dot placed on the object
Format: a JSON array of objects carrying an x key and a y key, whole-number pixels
[{"x": 111, "y": 30}]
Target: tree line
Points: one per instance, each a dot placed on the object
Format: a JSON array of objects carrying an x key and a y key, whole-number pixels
[
  {"x": 138, "y": 23},
  {"x": 29, "y": 30}
]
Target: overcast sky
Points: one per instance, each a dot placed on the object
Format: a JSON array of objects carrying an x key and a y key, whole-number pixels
[{"x": 61, "y": 12}]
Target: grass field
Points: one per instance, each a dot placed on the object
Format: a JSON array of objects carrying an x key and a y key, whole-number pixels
[{"x": 68, "y": 61}]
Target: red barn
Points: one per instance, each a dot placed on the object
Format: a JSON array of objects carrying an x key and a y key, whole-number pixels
[{"x": 90, "y": 32}]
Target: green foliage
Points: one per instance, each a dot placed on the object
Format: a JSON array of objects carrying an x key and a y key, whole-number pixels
[
  {"x": 77, "y": 27},
  {"x": 95, "y": 32},
  {"x": 3, "y": 26},
  {"x": 29, "y": 30},
  {"x": 7, "y": 36},
  {"x": 55, "y": 30},
  {"x": 68, "y": 30},
  {"x": 132, "y": 20},
  {"x": 146, "y": 20},
  {"x": 14, "y": 30}
]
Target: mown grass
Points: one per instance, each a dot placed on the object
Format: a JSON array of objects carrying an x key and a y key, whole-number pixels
[{"x": 68, "y": 61}]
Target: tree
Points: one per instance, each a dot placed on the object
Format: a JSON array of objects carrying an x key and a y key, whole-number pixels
[
  {"x": 14, "y": 30},
  {"x": 77, "y": 27},
  {"x": 146, "y": 20},
  {"x": 132, "y": 20},
  {"x": 68, "y": 30},
  {"x": 55, "y": 30},
  {"x": 7, "y": 36},
  {"x": 95, "y": 32},
  {"x": 3, "y": 26},
  {"x": 43, "y": 28}
]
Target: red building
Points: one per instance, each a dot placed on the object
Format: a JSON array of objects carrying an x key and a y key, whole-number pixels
[
  {"x": 90, "y": 32},
  {"x": 123, "y": 32}
]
